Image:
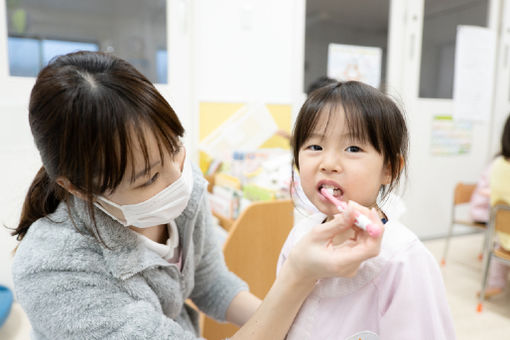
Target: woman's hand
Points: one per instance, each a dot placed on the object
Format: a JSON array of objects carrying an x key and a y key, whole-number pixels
[{"x": 313, "y": 257}]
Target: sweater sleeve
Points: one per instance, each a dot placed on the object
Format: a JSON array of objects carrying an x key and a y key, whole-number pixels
[
  {"x": 215, "y": 286},
  {"x": 412, "y": 299},
  {"x": 84, "y": 305}
]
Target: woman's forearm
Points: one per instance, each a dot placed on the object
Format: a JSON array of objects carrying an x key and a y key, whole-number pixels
[
  {"x": 275, "y": 315},
  {"x": 242, "y": 308}
]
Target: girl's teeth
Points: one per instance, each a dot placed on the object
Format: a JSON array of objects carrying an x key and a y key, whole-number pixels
[{"x": 332, "y": 190}]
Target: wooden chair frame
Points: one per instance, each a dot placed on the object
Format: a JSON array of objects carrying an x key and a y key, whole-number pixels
[
  {"x": 251, "y": 251},
  {"x": 461, "y": 195},
  {"x": 499, "y": 221}
]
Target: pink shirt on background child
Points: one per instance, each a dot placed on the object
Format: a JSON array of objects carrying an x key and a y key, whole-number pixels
[
  {"x": 479, "y": 204},
  {"x": 397, "y": 295}
]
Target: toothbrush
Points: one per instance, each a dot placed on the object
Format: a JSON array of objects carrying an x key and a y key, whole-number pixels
[{"x": 360, "y": 221}]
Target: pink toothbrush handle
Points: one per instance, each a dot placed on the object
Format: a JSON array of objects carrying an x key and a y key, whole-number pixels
[
  {"x": 360, "y": 221},
  {"x": 364, "y": 223}
]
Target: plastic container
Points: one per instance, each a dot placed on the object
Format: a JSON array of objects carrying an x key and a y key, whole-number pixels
[{"x": 5, "y": 303}]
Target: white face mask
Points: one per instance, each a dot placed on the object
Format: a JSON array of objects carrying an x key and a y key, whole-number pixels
[{"x": 161, "y": 208}]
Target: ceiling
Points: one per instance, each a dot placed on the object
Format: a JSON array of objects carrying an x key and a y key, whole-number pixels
[
  {"x": 87, "y": 6},
  {"x": 362, "y": 14},
  {"x": 371, "y": 14}
]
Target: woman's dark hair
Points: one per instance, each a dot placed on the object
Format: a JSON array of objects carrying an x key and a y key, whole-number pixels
[
  {"x": 87, "y": 111},
  {"x": 370, "y": 116},
  {"x": 318, "y": 83},
  {"x": 505, "y": 140}
]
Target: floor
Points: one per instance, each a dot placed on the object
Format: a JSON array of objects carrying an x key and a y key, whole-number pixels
[{"x": 462, "y": 276}]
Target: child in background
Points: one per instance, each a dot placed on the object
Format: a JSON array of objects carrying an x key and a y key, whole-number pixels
[
  {"x": 352, "y": 139},
  {"x": 500, "y": 190},
  {"x": 479, "y": 204}
]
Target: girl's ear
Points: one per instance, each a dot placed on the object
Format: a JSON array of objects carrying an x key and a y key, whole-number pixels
[
  {"x": 387, "y": 174},
  {"x": 70, "y": 188},
  {"x": 387, "y": 170}
]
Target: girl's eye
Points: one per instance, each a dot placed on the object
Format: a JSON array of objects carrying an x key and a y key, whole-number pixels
[
  {"x": 353, "y": 148},
  {"x": 152, "y": 180},
  {"x": 314, "y": 147}
]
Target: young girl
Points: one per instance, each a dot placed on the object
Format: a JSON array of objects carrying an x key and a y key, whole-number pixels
[
  {"x": 116, "y": 231},
  {"x": 352, "y": 140},
  {"x": 500, "y": 190}
]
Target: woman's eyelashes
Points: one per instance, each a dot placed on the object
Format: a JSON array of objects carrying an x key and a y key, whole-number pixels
[{"x": 151, "y": 181}]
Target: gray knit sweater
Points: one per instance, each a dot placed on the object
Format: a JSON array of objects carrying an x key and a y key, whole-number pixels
[{"x": 73, "y": 287}]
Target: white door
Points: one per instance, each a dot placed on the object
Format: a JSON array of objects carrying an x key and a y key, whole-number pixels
[{"x": 428, "y": 90}]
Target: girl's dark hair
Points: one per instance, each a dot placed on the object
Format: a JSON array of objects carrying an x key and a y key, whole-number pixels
[
  {"x": 505, "y": 140},
  {"x": 370, "y": 116},
  {"x": 87, "y": 111}
]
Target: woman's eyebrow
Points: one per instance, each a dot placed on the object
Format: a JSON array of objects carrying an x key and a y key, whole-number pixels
[{"x": 144, "y": 171}]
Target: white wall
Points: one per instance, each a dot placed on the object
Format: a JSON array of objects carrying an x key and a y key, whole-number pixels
[
  {"x": 429, "y": 190},
  {"x": 20, "y": 161},
  {"x": 245, "y": 50},
  {"x": 502, "y": 82}
]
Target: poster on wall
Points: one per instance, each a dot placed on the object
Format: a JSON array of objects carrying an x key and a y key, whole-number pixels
[
  {"x": 450, "y": 137},
  {"x": 475, "y": 53},
  {"x": 350, "y": 62}
]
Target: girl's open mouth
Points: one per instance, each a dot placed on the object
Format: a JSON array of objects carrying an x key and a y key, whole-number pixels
[{"x": 334, "y": 190}]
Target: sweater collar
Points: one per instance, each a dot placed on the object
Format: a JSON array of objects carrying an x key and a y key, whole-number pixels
[{"x": 123, "y": 252}]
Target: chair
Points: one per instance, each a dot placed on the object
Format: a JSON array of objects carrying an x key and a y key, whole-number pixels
[
  {"x": 499, "y": 221},
  {"x": 251, "y": 251},
  {"x": 461, "y": 195}
]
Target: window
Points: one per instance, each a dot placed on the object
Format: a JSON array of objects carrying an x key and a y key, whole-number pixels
[
  {"x": 134, "y": 30},
  {"x": 162, "y": 66},
  {"x": 340, "y": 45},
  {"x": 27, "y": 56},
  {"x": 24, "y": 56},
  {"x": 440, "y": 21}
]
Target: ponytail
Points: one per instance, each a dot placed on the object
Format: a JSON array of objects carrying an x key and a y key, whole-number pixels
[{"x": 42, "y": 199}]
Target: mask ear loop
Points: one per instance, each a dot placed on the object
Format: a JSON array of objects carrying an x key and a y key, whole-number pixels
[
  {"x": 380, "y": 201},
  {"x": 301, "y": 203},
  {"x": 98, "y": 204}
]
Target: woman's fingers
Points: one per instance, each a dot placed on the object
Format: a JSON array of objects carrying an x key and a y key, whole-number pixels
[
  {"x": 376, "y": 226},
  {"x": 345, "y": 220},
  {"x": 327, "y": 230},
  {"x": 314, "y": 256},
  {"x": 348, "y": 256}
]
